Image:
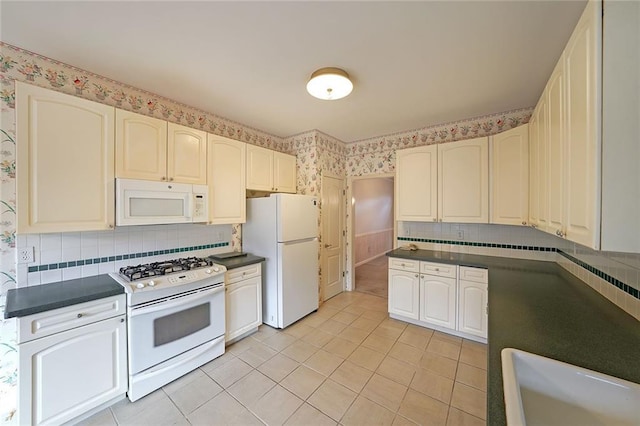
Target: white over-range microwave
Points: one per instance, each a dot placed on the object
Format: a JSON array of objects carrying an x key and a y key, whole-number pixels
[{"x": 141, "y": 202}]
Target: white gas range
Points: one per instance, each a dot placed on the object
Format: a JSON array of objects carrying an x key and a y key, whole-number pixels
[{"x": 176, "y": 319}]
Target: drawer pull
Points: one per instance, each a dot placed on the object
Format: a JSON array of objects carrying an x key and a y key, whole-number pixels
[
  {"x": 79, "y": 315},
  {"x": 121, "y": 319},
  {"x": 402, "y": 264},
  {"x": 437, "y": 269}
]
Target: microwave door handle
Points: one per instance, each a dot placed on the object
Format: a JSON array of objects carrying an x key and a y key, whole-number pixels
[{"x": 174, "y": 303}]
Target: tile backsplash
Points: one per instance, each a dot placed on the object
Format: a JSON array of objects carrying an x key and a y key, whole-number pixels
[{"x": 63, "y": 256}]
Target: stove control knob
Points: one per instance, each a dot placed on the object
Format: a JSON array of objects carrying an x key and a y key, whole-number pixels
[
  {"x": 216, "y": 269},
  {"x": 208, "y": 271},
  {"x": 151, "y": 283},
  {"x": 140, "y": 285}
]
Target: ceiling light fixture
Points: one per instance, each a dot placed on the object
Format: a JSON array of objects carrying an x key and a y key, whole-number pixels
[{"x": 329, "y": 84}]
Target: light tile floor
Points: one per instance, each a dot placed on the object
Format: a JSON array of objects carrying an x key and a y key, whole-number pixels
[{"x": 347, "y": 364}]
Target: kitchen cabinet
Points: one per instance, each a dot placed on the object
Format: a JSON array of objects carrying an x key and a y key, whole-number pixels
[
  {"x": 270, "y": 171},
  {"x": 441, "y": 296},
  {"x": 65, "y": 162},
  {"x": 71, "y": 360},
  {"x": 444, "y": 183},
  {"x": 226, "y": 178},
  {"x": 243, "y": 301},
  {"x": 438, "y": 288},
  {"x": 152, "y": 149},
  {"x": 186, "y": 155},
  {"x": 473, "y": 299},
  {"x": 555, "y": 150},
  {"x": 416, "y": 184},
  {"x": 463, "y": 181},
  {"x": 141, "y": 146},
  {"x": 509, "y": 168}
]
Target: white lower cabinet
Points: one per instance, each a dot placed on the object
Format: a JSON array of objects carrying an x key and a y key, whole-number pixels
[
  {"x": 243, "y": 301},
  {"x": 438, "y": 300},
  {"x": 472, "y": 312},
  {"x": 65, "y": 375},
  {"x": 403, "y": 293},
  {"x": 445, "y": 297}
]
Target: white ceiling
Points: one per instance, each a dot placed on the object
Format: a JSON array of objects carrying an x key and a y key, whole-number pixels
[{"x": 413, "y": 64}]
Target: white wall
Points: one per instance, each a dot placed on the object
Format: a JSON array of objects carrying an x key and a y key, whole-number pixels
[{"x": 373, "y": 215}]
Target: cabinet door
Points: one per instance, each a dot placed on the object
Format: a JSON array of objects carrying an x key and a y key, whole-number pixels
[
  {"x": 67, "y": 374},
  {"x": 141, "y": 146},
  {"x": 582, "y": 164},
  {"x": 404, "y": 293},
  {"x": 534, "y": 180},
  {"x": 555, "y": 150},
  {"x": 543, "y": 163},
  {"x": 416, "y": 184},
  {"x": 243, "y": 307},
  {"x": 438, "y": 300},
  {"x": 510, "y": 176},
  {"x": 463, "y": 181},
  {"x": 227, "y": 193},
  {"x": 187, "y": 155},
  {"x": 284, "y": 172},
  {"x": 472, "y": 308},
  {"x": 65, "y": 162},
  {"x": 259, "y": 168}
]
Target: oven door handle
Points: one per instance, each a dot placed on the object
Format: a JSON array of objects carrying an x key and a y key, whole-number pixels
[{"x": 173, "y": 303}]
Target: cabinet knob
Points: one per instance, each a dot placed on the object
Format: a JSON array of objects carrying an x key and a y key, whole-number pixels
[
  {"x": 170, "y": 179},
  {"x": 533, "y": 225},
  {"x": 435, "y": 220},
  {"x": 121, "y": 319},
  {"x": 402, "y": 264},
  {"x": 524, "y": 223},
  {"x": 437, "y": 269},
  {"x": 439, "y": 220},
  {"x": 559, "y": 233},
  {"x": 417, "y": 275},
  {"x": 164, "y": 178},
  {"x": 79, "y": 315},
  {"x": 276, "y": 189},
  {"x": 110, "y": 226}
]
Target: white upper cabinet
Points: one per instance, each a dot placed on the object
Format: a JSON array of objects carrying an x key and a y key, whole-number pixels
[
  {"x": 463, "y": 181},
  {"x": 416, "y": 184},
  {"x": 620, "y": 128},
  {"x": 510, "y": 176},
  {"x": 65, "y": 162},
  {"x": 227, "y": 194},
  {"x": 582, "y": 156},
  {"x": 270, "y": 171},
  {"x": 284, "y": 172},
  {"x": 141, "y": 146},
  {"x": 152, "y": 149},
  {"x": 555, "y": 150},
  {"x": 186, "y": 155}
]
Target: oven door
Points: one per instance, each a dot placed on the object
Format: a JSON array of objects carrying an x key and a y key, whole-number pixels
[{"x": 162, "y": 329}]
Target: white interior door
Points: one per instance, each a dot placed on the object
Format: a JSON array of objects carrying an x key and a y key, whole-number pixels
[{"x": 332, "y": 238}]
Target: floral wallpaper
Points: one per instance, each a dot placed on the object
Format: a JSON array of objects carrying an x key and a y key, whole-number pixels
[{"x": 317, "y": 154}]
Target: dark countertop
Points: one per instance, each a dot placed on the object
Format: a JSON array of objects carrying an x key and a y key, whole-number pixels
[
  {"x": 541, "y": 308},
  {"x": 238, "y": 262},
  {"x": 31, "y": 300}
]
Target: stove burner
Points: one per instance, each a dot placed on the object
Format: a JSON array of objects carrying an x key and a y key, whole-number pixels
[{"x": 133, "y": 273}]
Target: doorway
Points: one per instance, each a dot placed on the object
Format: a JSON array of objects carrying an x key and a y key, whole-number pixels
[{"x": 372, "y": 232}]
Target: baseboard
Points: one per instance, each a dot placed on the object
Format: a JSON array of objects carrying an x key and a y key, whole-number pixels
[{"x": 362, "y": 262}]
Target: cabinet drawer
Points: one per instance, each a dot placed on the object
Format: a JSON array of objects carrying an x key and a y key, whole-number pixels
[
  {"x": 57, "y": 320},
  {"x": 404, "y": 264},
  {"x": 477, "y": 275},
  {"x": 438, "y": 269},
  {"x": 239, "y": 274}
]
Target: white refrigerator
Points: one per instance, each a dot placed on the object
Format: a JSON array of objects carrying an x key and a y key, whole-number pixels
[{"x": 283, "y": 228}]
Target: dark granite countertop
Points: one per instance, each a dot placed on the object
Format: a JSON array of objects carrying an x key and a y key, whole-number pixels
[
  {"x": 238, "y": 262},
  {"x": 541, "y": 308},
  {"x": 31, "y": 300}
]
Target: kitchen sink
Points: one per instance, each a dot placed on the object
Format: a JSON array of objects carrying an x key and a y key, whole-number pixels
[{"x": 544, "y": 391}]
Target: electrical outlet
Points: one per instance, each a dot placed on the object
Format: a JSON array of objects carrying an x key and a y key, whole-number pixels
[
  {"x": 460, "y": 234},
  {"x": 25, "y": 255}
]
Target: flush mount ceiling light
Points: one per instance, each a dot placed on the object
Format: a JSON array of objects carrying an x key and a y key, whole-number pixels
[{"x": 329, "y": 84}]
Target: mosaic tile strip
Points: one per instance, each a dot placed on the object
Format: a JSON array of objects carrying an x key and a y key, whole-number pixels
[
  {"x": 608, "y": 278},
  {"x": 93, "y": 261}
]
